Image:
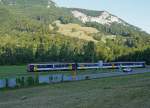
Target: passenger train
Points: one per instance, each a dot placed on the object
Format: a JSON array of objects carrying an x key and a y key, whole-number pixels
[{"x": 79, "y": 66}]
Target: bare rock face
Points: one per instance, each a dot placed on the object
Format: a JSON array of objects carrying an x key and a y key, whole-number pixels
[{"x": 103, "y": 18}]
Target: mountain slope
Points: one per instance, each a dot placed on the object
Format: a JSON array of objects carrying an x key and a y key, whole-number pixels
[
  {"x": 76, "y": 31},
  {"x": 28, "y": 33},
  {"x": 102, "y": 17}
]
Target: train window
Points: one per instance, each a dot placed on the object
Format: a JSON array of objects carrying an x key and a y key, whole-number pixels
[
  {"x": 117, "y": 64},
  {"x": 57, "y": 66},
  {"x": 50, "y": 66},
  {"x": 139, "y": 64},
  {"x": 123, "y": 64},
  {"x": 107, "y": 64},
  {"x": 66, "y": 65},
  {"x": 44, "y": 66},
  {"x": 60, "y": 65},
  {"x": 40, "y": 66},
  {"x": 127, "y": 63},
  {"x": 85, "y": 65},
  {"x": 95, "y": 64},
  {"x": 90, "y": 65}
]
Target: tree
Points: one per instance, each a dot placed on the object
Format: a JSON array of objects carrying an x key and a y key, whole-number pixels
[{"x": 89, "y": 52}]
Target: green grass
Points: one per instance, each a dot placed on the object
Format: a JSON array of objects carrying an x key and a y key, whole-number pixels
[
  {"x": 13, "y": 69},
  {"x": 117, "y": 92}
]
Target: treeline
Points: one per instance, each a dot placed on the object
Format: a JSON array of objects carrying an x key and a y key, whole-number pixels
[
  {"x": 137, "y": 56},
  {"x": 46, "y": 48},
  {"x": 26, "y": 48}
]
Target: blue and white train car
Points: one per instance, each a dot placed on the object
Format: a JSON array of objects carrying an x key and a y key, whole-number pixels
[
  {"x": 124, "y": 64},
  {"x": 49, "y": 67},
  {"x": 74, "y": 66}
]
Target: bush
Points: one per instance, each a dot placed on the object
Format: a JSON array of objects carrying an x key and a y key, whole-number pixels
[
  {"x": 30, "y": 81},
  {"x": 6, "y": 82},
  {"x": 18, "y": 82},
  {"x": 22, "y": 81},
  {"x": 37, "y": 79},
  {"x": 87, "y": 77}
]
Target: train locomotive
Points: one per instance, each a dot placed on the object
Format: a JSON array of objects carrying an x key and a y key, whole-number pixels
[{"x": 78, "y": 66}]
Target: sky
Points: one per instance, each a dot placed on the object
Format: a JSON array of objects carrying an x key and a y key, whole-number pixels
[{"x": 135, "y": 12}]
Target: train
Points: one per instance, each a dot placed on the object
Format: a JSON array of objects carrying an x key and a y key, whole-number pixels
[{"x": 42, "y": 67}]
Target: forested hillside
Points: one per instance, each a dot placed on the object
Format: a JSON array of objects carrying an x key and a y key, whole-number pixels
[{"x": 29, "y": 33}]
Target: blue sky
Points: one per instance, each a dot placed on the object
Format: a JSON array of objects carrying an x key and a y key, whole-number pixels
[{"x": 136, "y": 12}]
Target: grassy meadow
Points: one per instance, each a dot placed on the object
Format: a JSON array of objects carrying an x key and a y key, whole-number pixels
[{"x": 117, "y": 92}]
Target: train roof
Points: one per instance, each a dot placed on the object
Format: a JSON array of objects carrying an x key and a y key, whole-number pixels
[
  {"x": 127, "y": 62},
  {"x": 47, "y": 63},
  {"x": 80, "y": 63}
]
